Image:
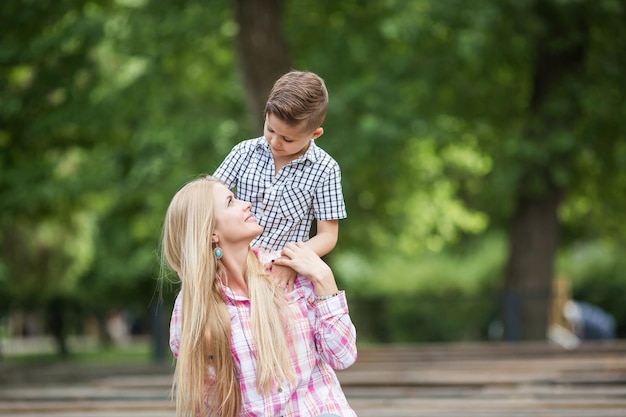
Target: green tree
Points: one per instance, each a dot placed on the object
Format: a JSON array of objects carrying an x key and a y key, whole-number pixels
[
  {"x": 46, "y": 76},
  {"x": 448, "y": 119},
  {"x": 530, "y": 91},
  {"x": 171, "y": 97},
  {"x": 262, "y": 51},
  {"x": 106, "y": 112}
]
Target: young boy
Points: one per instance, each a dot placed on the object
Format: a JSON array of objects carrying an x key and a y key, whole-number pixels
[{"x": 287, "y": 178}]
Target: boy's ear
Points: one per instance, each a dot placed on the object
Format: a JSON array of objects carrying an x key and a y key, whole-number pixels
[{"x": 317, "y": 133}]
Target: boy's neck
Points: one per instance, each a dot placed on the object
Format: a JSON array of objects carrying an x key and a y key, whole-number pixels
[{"x": 280, "y": 162}]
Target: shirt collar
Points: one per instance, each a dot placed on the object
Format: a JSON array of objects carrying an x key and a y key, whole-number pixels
[{"x": 230, "y": 296}]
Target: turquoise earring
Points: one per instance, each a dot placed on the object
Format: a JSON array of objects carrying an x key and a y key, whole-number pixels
[{"x": 218, "y": 252}]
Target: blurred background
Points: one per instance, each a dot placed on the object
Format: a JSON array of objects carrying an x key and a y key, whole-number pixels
[{"x": 482, "y": 146}]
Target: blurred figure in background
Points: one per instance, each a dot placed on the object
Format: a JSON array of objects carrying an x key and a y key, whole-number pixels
[{"x": 573, "y": 321}]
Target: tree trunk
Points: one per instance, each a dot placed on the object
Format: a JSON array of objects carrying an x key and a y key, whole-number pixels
[
  {"x": 533, "y": 242},
  {"x": 262, "y": 51},
  {"x": 559, "y": 57},
  {"x": 55, "y": 316}
]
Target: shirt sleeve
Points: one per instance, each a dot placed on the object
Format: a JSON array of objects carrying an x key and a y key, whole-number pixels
[
  {"x": 328, "y": 202},
  {"x": 335, "y": 334},
  {"x": 228, "y": 171},
  {"x": 175, "y": 327}
]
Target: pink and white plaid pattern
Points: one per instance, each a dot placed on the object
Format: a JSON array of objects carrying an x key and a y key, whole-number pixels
[{"x": 323, "y": 338}]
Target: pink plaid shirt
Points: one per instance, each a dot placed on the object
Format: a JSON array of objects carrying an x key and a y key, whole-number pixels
[{"x": 323, "y": 339}]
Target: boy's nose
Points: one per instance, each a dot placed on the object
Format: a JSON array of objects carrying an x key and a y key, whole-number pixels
[{"x": 274, "y": 141}]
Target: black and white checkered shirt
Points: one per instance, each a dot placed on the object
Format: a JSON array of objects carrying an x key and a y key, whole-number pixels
[{"x": 307, "y": 188}]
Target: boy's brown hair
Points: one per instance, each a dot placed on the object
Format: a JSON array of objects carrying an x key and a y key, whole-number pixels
[{"x": 299, "y": 96}]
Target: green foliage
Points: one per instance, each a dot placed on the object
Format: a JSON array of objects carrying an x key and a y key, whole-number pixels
[
  {"x": 173, "y": 112},
  {"x": 441, "y": 297},
  {"x": 511, "y": 82},
  {"x": 46, "y": 74},
  {"x": 107, "y": 108},
  {"x": 104, "y": 116},
  {"x": 135, "y": 354},
  {"x": 382, "y": 96},
  {"x": 421, "y": 62}
]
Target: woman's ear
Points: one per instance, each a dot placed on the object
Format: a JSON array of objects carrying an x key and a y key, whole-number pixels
[{"x": 214, "y": 238}]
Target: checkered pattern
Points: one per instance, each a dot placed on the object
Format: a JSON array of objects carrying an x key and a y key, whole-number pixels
[
  {"x": 323, "y": 338},
  {"x": 285, "y": 204}
]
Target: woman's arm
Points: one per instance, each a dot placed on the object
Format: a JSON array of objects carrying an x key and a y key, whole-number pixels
[{"x": 335, "y": 335}]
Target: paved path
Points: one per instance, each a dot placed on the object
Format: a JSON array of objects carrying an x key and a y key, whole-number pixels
[{"x": 427, "y": 380}]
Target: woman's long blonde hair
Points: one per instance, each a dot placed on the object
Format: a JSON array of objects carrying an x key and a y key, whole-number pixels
[{"x": 206, "y": 329}]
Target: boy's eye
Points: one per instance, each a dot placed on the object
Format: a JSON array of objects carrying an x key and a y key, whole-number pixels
[{"x": 287, "y": 140}]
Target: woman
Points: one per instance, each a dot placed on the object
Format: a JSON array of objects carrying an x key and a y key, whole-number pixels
[{"x": 244, "y": 345}]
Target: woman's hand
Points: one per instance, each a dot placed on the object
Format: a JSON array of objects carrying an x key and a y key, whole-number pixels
[
  {"x": 283, "y": 276},
  {"x": 303, "y": 260}
]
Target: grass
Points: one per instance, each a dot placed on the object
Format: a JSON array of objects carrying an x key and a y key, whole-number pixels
[{"x": 136, "y": 353}]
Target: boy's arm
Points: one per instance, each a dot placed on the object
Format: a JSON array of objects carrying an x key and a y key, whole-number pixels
[
  {"x": 326, "y": 238},
  {"x": 328, "y": 203}
]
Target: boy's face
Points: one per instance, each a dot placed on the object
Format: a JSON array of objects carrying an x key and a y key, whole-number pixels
[{"x": 287, "y": 141}]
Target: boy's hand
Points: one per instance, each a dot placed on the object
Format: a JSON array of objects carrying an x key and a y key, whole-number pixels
[{"x": 283, "y": 276}]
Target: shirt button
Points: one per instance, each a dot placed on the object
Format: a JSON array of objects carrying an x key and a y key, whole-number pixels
[{"x": 280, "y": 390}]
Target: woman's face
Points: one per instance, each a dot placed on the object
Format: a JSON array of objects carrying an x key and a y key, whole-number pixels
[{"x": 234, "y": 221}]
